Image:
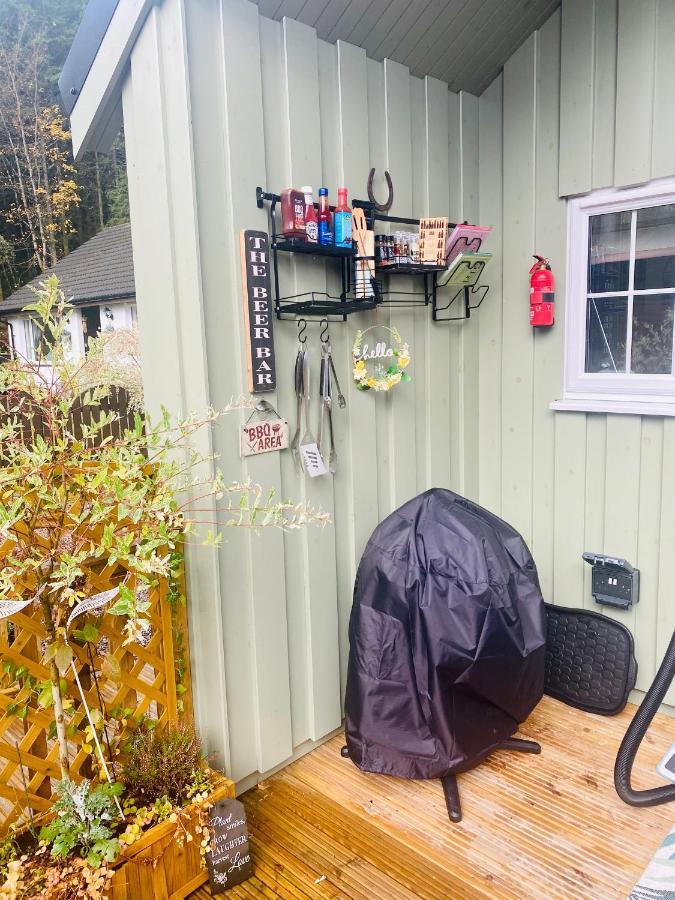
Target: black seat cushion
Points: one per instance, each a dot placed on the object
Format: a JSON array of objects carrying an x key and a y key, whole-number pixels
[{"x": 590, "y": 660}]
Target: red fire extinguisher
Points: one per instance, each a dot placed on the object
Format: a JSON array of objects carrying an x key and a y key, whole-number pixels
[{"x": 542, "y": 293}]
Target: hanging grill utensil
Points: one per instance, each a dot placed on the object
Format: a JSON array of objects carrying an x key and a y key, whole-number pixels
[
  {"x": 328, "y": 402},
  {"x": 341, "y": 399},
  {"x": 297, "y": 378},
  {"x": 309, "y": 451},
  {"x": 322, "y": 405}
]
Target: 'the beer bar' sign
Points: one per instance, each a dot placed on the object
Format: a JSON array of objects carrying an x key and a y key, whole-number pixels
[{"x": 258, "y": 311}]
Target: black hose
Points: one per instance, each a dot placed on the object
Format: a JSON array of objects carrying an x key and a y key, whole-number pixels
[{"x": 636, "y": 732}]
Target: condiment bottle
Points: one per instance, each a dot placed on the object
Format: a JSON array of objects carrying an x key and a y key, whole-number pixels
[
  {"x": 311, "y": 220},
  {"x": 325, "y": 219},
  {"x": 343, "y": 220},
  {"x": 292, "y": 214}
]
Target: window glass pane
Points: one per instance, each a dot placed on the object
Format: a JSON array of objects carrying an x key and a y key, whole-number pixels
[
  {"x": 652, "y": 344},
  {"x": 608, "y": 252},
  {"x": 655, "y": 248},
  {"x": 606, "y": 334}
]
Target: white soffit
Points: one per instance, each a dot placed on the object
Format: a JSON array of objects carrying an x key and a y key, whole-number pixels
[{"x": 463, "y": 42}]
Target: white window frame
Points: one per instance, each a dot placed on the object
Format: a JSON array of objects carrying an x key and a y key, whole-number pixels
[{"x": 607, "y": 391}]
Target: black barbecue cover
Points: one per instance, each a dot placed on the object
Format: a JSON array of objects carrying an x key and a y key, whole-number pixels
[{"x": 447, "y": 639}]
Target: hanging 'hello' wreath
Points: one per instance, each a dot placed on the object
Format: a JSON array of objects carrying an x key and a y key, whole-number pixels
[{"x": 381, "y": 365}]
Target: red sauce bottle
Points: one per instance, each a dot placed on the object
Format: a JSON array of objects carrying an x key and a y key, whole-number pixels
[
  {"x": 311, "y": 220},
  {"x": 292, "y": 214}
]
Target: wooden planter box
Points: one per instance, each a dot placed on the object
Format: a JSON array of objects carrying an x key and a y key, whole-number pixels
[{"x": 157, "y": 868}]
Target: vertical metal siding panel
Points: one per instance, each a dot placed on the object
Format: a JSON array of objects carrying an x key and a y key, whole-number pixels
[
  {"x": 469, "y": 328},
  {"x": 576, "y": 103},
  {"x": 604, "y": 93},
  {"x": 663, "y": 142},
  {"x": 162, "y": 268},
  {"x": 592, "y": 522},
  {"x": 649, "y": 547},
  {"x": 355, "y": 161},
  {"x": 490, "y": 314},
  {"x": 550, "y": 239},
  {"x": 570, "y": 504},
  {"x": 622, "y": 494},
  {"x": 456, "y": 436},
  {"x": 343, "y": 505},
  {"x": 423, "y": 360},
  {"x": 436, "y": 201},
  {"x": 207, "y": 87},
  {"x": 634, "y": 92},
  {"x": 517, "y": 360},
  {"x": 401, "y": 402},
  {"x": 246, "y": 169},
  {"x": 378, "y": 159},
  {"x": 320, "y": 596},
  {"x": 360, "y": 455},
  {"x": 666, "y": 606},
  {"x": 276, "y": 160}
]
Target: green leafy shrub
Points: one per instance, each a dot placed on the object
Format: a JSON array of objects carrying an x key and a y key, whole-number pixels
[
  {"x": 85, "y": 822},
  {"x": 162, "y": 763}
]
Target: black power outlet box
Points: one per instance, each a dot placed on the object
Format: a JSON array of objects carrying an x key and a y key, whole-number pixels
[{"x": 614, "y": 582}]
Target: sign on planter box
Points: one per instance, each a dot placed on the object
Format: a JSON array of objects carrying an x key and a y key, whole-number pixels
[
  {"x": 258, "y": 311},
  {"x": 229, "y": 857}
]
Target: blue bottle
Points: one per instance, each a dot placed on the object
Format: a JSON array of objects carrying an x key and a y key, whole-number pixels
[{"x": 325, "y": 219}]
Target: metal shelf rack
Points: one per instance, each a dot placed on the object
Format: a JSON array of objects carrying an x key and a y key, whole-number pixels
[{"x": 321, "y": 303}]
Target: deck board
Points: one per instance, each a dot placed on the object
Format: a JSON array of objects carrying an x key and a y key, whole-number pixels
[{"x": 540, "y": 827}]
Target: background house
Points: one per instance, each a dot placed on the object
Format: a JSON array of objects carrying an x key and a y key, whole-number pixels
[
  {"x": 98, "y": 278},
  {"x": 220, "y": 96}
]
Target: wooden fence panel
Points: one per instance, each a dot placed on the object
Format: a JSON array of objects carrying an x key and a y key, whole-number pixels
[{"x": 146, "y": 683}]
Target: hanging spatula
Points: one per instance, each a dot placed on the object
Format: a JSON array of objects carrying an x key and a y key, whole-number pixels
[{"x": 309, "y": 451}]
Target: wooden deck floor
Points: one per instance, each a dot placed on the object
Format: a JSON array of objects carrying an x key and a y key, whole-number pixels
[{"x": 548, "y": 826}]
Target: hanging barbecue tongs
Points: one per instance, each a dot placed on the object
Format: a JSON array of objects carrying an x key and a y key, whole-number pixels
[
  {"x": 330, "y": 458},
  {"x": 322, "y": 405},
  {"x": 328, "y": 353}
]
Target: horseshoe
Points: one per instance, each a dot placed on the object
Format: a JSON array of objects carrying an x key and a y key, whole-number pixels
[{"x": 380, "y": 207}]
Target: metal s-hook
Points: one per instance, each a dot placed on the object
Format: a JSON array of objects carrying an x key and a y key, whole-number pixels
[
  {"x": 381, "y": 207},
  {"x": 302, "y": 328},
  {"x": 324, "y": 337}
]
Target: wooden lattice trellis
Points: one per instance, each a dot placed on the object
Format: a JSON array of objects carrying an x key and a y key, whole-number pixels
[{"x": 146, "y": 684}]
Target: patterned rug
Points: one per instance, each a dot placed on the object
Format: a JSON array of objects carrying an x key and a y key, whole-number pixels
[{"x": 658, "y": 879}]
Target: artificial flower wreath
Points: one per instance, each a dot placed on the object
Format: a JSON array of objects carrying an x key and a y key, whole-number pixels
[{"x": 387, "y": 363}]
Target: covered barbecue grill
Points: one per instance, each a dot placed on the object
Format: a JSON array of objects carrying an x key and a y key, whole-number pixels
[{"x": 447, "y": 642}]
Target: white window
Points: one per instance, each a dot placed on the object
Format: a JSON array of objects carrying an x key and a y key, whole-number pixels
[
  {"x": 619, "y": 301},
  {"x": 29, "y": 344}
]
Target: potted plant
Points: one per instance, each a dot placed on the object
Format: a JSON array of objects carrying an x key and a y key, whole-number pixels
[
  {"x": 81, "y": 495},
  {"x": 152, "y": 844}
]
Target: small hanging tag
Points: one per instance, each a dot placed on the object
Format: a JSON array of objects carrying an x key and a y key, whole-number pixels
[
  {"x": 257, "y": 437},
  {"x": 312, "y": 460}
]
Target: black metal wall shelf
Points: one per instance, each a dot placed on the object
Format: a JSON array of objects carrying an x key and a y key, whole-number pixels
[
  {"x": 295, "y": 245},
  {"x": 480, "y": 290},
  {"x": 320, "y": 303}
]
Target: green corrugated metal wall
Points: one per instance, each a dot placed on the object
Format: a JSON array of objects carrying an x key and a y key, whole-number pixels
[
  {"x": 599, "y": 75},
  {"x": 270, "y": 104},
  {"x": 219, "y": 100}
]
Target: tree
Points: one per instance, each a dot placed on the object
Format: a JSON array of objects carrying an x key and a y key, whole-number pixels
[
  {"x": 47, "y": 204},
  {"x": 69, "y": 501}
]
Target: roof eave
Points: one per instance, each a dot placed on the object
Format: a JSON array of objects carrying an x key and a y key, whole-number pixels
[
  {"x": 81, "y": 301},
  {"x": 99, "y": 57}
]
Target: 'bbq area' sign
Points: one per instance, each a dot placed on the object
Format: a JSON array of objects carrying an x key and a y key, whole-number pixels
[
  {"x": 229, "y": 859},
  {"x": 258, "y": 311}
]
